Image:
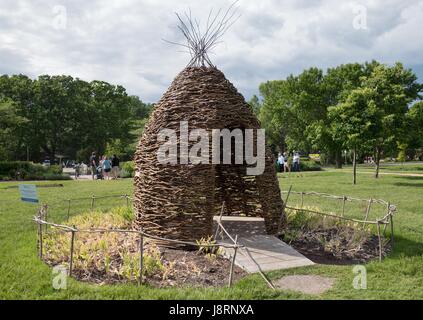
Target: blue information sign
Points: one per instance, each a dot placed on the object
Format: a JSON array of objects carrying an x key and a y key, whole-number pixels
[{"x": 28, "y": 193}]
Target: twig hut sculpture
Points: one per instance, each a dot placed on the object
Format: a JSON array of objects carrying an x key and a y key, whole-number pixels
[{"x": 179, "y": 201}]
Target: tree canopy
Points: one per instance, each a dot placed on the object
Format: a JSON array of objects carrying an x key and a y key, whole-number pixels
[
  {"x": 361, "y": 107},
  {"x": 66, "y": 116}
]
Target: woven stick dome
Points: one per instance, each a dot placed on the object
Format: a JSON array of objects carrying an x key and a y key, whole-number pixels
[{"x": 179, "y": 201}]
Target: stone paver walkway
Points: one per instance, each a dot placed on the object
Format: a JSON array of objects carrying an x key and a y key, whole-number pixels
[{"x": 261, "y": 250}]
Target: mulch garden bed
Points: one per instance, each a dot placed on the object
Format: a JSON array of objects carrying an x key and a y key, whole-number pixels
[
  {"x": 194, "y": 269},
  {"x": 182, "y": 269}
]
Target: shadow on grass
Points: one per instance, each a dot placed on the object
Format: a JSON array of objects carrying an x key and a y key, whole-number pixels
[
  {"x": 406, "y": 247},
  {"x": 410, "y": 178},
  {"x": 408, "y": 185},
  {"x": 409, "y": 182}
]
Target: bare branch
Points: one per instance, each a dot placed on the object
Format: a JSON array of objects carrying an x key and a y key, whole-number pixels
[{"x": 199, "y": 44}]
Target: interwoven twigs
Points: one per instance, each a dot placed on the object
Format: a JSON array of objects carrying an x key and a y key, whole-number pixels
[{"x": 179, "y": 201}]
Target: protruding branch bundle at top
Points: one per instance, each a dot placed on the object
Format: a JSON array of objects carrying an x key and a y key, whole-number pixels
[{"x": 200, "y": 43}]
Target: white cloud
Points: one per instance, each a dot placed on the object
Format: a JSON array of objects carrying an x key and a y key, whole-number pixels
[{"x": 121, "y": 41}]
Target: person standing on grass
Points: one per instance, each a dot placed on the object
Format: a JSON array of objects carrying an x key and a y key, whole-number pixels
[
  {"x": 281, "y": 162},
  {"x": 77, "y": 168},
  {"x": 296, "y": 162},
  {"x": 107, "y": 167},
  {"x": 286, "y": 165},
  {"x": 115, "y": 167},
  {"x": 93, "y": 164}
]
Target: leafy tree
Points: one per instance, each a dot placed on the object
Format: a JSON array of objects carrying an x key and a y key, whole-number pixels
[
  {"x": 402, "y": 152},
  {"x": 276, "y": 131},
  {"x": 415, "y": 129},
  {"x": 121, "y": 150},
  {"x": 18, "y": 90},
  {"x": 392, "y": 90},
  {"x": 338, "y": 83},
  {"x": 296, "y": 109},
  {"x": 353, "y": 122},
  {"x": 374, "y": 115},
  {"x": 70, "y": 116},
  {"x": 289, "y": 106},
  {"x": 10, "y": 123},
  {"x": 255, "y": 105},
  {"x": 139, "y": 110}
]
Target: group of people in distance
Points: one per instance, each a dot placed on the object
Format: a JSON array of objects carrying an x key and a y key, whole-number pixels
[
  {"x": 285, "y": 162},
  {"x": 103, "y": 167}
]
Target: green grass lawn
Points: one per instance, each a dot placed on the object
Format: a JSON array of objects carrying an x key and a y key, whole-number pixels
[{"x": 24, "y": 276}]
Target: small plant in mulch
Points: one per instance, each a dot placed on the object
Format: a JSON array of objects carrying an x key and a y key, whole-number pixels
[
  {"x": 326, "y": 239},
  {"x": 108, "y": 257},
  {"x": 207, "y": 247}
]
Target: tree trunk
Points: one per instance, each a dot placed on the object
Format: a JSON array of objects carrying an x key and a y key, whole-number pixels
[
  {"x": 354, "y": 166},
  {"x": 50, "y": 152},
  {"x": 377, "y": 162},
  {"x": 338, "y": 159}
]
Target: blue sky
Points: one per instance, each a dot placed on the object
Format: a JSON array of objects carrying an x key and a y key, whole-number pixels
[{"x": 121, "y": 41}]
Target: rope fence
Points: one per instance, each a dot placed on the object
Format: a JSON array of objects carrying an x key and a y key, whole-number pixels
[
  {"x": 43, "y": 216},
  {"x": 41, "y": 220}
]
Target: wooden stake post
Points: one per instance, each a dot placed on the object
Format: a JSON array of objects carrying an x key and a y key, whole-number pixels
[
  {"x": 141, "y": 257},
  {"x": 369, "y": 205},
  {"x": 92, "y": 203},
  {"x": 379, "y": 235},
  {"x": 69, "y": 208},
  {"x": 231, "y": 273},
  {"x": 344, "y": 199},
  {"x": 283, "y": 211},
  {"x": 40, "y": 235},
  {"x": 71, "y": 251}
]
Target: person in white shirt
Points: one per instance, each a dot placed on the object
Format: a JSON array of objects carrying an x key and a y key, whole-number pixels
[
  {"x": 296, "y": 162},
  {"x": 281, "y": 162}
]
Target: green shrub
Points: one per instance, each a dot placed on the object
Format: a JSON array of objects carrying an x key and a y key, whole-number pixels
[
  {"x": 52, "y": 176},
  {"x": 128, "y": 169},
  {"x": 309, "y": 165},
  {"x": 55, "y": 169},
  {"x": 21, "y": 170},
  {"x": 14, "y": 169}
]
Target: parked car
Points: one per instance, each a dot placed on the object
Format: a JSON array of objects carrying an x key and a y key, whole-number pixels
[{"x": 70, "y": 164}]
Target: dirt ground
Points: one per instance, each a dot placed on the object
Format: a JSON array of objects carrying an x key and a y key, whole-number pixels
[
  {"x": 307, "y": 284},
  {"x": 195, "y": 270}
]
